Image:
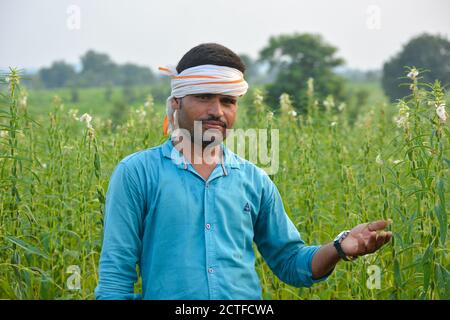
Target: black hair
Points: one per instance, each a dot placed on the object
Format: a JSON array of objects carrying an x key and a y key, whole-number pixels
[{"x": 210, "y": 53}]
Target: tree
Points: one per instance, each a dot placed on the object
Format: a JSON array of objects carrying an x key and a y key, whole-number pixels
[
  {"x": 296, "y": 58},
  {"x": 131, "y": 74},
  {"x": 57, "y": 75},
  {"x": 429, "y": 52},
  {"x": 251, "y": 67},
  {"x": 97, "y": 69}
]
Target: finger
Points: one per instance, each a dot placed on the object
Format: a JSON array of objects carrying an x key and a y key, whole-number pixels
[
  {"x": 381, "y": 239},
  {"x": 388, "y": 237},
  {"x": 377, "y": 225},
  {"x": 371, "y": 243}
]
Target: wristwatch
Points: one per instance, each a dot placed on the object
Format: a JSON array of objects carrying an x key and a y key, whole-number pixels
[{"x": 337, "y": 244}]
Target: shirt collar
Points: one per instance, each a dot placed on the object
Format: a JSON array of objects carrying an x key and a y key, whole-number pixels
[{"x": 230, "y": 159}]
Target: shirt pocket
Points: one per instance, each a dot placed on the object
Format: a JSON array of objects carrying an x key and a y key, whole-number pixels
[{"x": 234, "y": 220}]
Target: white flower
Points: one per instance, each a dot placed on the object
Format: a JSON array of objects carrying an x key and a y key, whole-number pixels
[
  {"x": 285, "y": 103},
  {"x": 23, "y": 101},
  {"x": 413, "y": 73},
  {"x": 141, "y": 113},
  {"x": 73, "y": 113},
  {"x": 292, "y": 113},
  {"x": 12, "y": 80},
  {"x": 44, "y": 165},
  {"x": 378, "y": 160},
  {"x": 442, "y": 114},
  {"x": 334, "y": 123},
  {"x": 269, "y": 116},
  {"x": 329, "y": 102},
  {"x": 86, "y": 118},
  {"x": 402, "y": 121},
  {"x": 3, "y": 133},
  {"x": 258, "y": 98},
  {"x": 341, "y": 106},
  {"x": 403, "y": 115},
  {"x": 396, "y": 161}
]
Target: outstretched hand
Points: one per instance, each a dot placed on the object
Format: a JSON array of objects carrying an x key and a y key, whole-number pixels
[{"x": 366, "y": 238}]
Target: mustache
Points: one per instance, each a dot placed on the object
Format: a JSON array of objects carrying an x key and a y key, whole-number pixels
[{"x": 216, "y": 121}]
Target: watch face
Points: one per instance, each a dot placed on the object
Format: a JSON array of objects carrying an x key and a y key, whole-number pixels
[{"x": 338, "y": 237}]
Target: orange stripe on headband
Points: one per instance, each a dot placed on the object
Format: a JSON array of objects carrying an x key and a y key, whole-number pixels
[
  {"x": 164, "y": 69},
  {"x": 194, "y": 77}
]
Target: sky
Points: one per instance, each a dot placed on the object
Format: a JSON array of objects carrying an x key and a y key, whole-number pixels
[{"x": 153, "y": 33}]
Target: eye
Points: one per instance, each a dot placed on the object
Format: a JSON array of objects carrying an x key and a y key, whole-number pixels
[
  {"x": 203, "y": 97},
  {"x": 229, "y": 101}
]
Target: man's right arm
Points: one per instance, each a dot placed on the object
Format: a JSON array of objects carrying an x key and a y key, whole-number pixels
[{"x": 122, "y": 237}]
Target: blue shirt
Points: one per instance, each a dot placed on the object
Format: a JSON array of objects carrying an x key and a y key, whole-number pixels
[{"x": 191, "y": 238}]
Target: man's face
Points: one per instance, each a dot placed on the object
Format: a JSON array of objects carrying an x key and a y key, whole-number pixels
[{"x": 216, "y": 112}]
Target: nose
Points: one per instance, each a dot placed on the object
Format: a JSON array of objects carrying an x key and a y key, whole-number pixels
[{"x": 215, "y": 107}]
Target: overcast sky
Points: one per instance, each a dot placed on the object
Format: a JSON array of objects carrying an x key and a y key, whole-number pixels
[{"x": 152, "y": 33}]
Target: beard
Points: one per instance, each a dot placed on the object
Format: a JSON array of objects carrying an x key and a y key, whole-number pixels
[{"x": 209, "y": 138}]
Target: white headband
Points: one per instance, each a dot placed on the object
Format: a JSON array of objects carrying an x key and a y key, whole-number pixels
[{"x": 206, "y": 78}]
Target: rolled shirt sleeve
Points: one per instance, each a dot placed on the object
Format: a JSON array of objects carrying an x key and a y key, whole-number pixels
[
  {"x": 122, "y": 237},
  {"x": 280, "y": 243}
]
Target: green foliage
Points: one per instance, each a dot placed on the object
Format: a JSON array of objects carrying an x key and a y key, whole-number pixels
[
  {"x": 427, "y": 52},
  {"x": 97, "y": 70},
  {"x": 296, "y": 58},
  {"x": 252, "y": 68},
  {"x": 59, "y": 74},
  {"x": 118, "y": 112}
]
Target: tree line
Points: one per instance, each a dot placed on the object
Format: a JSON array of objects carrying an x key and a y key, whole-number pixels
[
  {"x": 97, "y": 70},
  {"x": 284, "y": 65}
]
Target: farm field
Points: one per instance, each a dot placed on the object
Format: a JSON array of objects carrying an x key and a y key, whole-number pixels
[{"x": 340, "y": 164}]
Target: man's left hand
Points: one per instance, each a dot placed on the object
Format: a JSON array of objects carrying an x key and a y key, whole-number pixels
[{"x": 366, "y": 238}]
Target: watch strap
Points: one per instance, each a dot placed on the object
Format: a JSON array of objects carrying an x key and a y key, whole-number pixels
[{"x": 340, "y": 251}]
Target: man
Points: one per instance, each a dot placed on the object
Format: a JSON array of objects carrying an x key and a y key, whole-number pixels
[{"x": 188, "y": 218}]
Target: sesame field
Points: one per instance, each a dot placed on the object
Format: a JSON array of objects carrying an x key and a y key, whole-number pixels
[{"x": 339, "y": 164}]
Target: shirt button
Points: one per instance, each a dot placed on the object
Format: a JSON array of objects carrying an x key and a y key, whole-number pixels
[
  {"x": 210, "y": 270},
  {"x": 208, "y": 226}
]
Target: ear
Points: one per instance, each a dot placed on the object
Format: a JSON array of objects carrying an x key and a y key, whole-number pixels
[{"x": 175, "y": 103}]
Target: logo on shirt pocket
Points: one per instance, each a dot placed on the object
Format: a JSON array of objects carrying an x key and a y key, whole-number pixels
[{"x": 247, "y": 208}]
